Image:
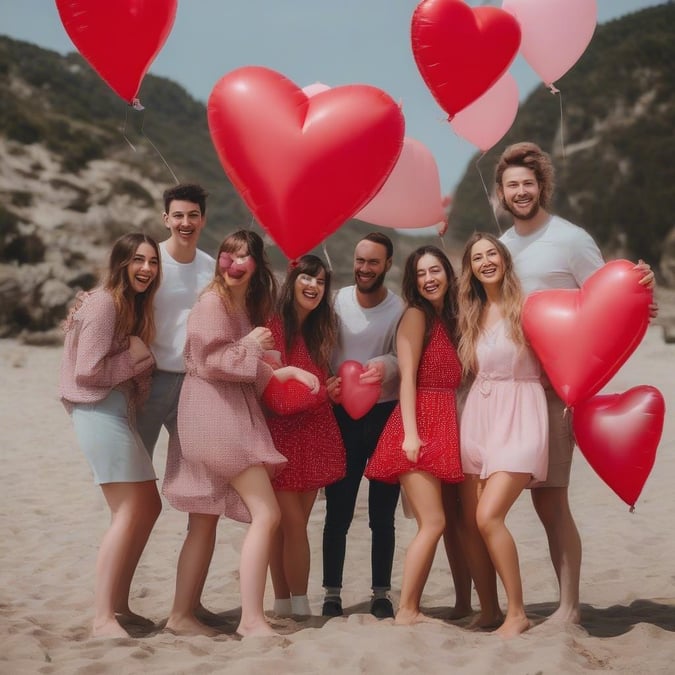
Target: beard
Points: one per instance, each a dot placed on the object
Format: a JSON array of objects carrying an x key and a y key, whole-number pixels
[
  {"x": 527, "y": 215},
  {"x": 374, "y": 285}
]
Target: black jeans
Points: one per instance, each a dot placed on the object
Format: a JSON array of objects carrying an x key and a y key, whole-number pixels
[{"x": 360, "y": 438}]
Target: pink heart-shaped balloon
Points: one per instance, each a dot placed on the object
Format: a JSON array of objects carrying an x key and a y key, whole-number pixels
[
  {"x": 618, "y": 434},
  {"x": 582, "y": 337},
  {"x": 303, "y": 165},
  {"x": 357, "y": 398},
  {"x": 119, "y": 39},
  {"x": 461, "y": 52}
]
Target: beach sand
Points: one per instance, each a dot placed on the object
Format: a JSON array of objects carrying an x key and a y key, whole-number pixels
[{"x": 52, "y": 518}]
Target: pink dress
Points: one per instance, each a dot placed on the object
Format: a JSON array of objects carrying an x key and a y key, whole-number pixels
[
  {"x": 438, "y": 376},
  {"x": 310, "y": 440},
  {"x": 221, "y": 426},
  {"x": 504, "y": 424}
]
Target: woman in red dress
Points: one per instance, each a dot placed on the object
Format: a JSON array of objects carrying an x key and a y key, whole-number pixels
[
  {"x": 304, "y": 429},
  {"x": 420, "y": 443}
]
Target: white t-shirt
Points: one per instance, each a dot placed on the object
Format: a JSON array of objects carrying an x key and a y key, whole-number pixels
[
  {"x": 181, "y": 285},
  {"x": 558, "y": 255},
  {"x": 368, "y": 334}
]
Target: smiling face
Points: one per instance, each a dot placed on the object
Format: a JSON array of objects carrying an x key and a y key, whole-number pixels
[
  {"x": 487, "y": 263},
  {"x": 520, "y": 192},
  {"x": 185, "y": 221},
  {"x": 308, "y": 291},
  {"x": 432, "y": 281},
  {"x": 370, "y": 265},
  {"x": 239, "y": 267},
  {"x": 143, "y": 268}
]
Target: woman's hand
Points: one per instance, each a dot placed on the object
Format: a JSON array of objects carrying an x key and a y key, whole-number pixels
[
  {"x": 334, "y": 388},
  {"x": 411, "y": 446},
  {"x": 292, "y": 373},
  {"x": 373, "y": 374},
  {"x": 263, "y": 336},
  {"x": 138, "y": 349}
]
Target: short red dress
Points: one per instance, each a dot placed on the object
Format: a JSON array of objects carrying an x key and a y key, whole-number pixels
[
  {"x": 438, "y": 376},
  {"x": 310, "y": 440}
]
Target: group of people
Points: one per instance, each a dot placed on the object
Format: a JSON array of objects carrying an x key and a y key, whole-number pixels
[{"x": 243, "y": 376}]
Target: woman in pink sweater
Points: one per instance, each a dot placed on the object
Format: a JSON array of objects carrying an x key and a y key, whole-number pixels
[{"x": 105, "y": 375}]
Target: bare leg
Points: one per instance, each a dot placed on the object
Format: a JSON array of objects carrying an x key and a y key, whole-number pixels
[
  {"x": 254, "y": 487},
  {"x": 553, "y": 509},
  {"x": 454, "y": 550},
  {"x": 194, "y": 557},
  {"x": 134, "y": 507},
  {"x": 424, "y": 494},
  {"x": 200, "y": 611},
  {"x": 480, "y": 563},
  {"x": 282, "y": 592}
]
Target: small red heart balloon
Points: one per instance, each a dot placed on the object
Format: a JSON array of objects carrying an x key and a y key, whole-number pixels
[
  {"x": 120, "y": 38},
  {"x": 618, "y": 434},
  {"x": 303, "y": 165},
  {"x": 582, "y": 337},
  {"x": 461, "y": 52},
  {"x": 357, "y": 398}
]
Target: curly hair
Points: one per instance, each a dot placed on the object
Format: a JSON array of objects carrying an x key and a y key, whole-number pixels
[
  {"x": 472, "y": 298},
  {"x": 529, "y": 156}
]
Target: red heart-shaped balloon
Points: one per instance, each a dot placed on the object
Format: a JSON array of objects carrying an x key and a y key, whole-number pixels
[
  {"x": 461, "y": 52},
  {"x": 303, "y": 165},
  {"x": 618, "y": 434},
  {"x": 356, "y": 398},
  {"x": 119, "y": 39},
  {"x": 582, "y": 337}
]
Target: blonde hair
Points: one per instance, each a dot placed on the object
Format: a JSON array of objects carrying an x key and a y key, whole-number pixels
[{"x": 472, "y": 298}]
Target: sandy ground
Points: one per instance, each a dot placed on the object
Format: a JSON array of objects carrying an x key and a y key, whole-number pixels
[{"x": 52, "y": 518}]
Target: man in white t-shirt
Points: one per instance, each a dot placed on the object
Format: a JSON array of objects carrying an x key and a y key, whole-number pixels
[
  {"x": 186, "y": 270},
  {"x": 368, "y": 315},
  {"x": 550, "y": 252}
]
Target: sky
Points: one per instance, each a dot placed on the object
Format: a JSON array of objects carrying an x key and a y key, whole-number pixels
[{"x": 333, "y": 42}]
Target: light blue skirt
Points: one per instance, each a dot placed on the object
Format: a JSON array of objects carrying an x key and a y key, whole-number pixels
[{"x": 113, "y": 449}]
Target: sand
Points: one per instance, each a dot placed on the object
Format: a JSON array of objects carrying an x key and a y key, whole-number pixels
[{"x": 52, "y": 518}]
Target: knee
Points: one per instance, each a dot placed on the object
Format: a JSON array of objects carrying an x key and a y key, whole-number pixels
[
  {"x": 486, "y": 521},
  {"x": 433, "y": 524}
]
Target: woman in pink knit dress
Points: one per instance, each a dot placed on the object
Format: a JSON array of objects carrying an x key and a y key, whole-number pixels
[
  {"x": 226, "y": 458},
  {"x": 305, "y": 331},
  {"x": 105, "y": 374},
  {"x": 504, "y": 425},
  {"x": 420, "y": 443}
]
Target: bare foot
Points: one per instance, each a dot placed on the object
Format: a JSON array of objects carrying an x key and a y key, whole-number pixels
[
  {"x": 206, "y": 616},
  {"x": 188, "y": 625},
  {"x": 486, "y": 621},
  {"x": 565, "y": 615},
  {"x": 513, "y": 626},
  {"x": 258, "y": 628},
  {"x": 129, "y": 618},
  {"x": 408, "y": 617},
  {"x": 108, "y": 628}
]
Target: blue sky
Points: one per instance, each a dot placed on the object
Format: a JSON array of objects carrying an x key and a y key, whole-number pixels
[{"x": 334, "y": 42}]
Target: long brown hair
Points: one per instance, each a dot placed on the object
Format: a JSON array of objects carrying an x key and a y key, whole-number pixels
[
  {"x": 135, "y": 315},
  {"x": 262, "y": 288},
  {"x": 319, "y": 329},
  {"x": 472, "y": 298},
  {"x": 413, "y": 298},
  {"x": 529, "y": 156}
]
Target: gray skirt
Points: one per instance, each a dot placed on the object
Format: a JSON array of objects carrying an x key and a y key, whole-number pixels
[{"x": 113, "y": 449}]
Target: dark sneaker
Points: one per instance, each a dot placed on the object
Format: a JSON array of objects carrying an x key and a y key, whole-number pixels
[
  {"x": 332, "y": 608},
  {"x": 382, "y": 608}
]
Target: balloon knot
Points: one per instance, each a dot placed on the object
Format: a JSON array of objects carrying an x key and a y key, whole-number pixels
[
  {"x": 632, "y": 509},
  {"x": 450, "y": 118},
  {"x": 136, "y": 104},
  {"x": 552, "y": 89},
  {"x": 292, "y": 264}
]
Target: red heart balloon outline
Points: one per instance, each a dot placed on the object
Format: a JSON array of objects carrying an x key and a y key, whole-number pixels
[
  {"x": 619, "y": 434},
  {"x": 303, "y": 165},
  {"x": 461, "y": 52},
  {"x": 119, "y": 39},
  {"x": 582, "y": 337},
  {"x": 357, "y": 398}
]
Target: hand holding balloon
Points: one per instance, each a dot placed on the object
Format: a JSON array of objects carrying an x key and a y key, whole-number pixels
[{"x": 358, "y": 397}]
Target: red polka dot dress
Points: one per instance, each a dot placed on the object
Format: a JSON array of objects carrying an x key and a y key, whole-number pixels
[
  {"x": 310, "y": 440},
  {"x": 438, "y": 376}
]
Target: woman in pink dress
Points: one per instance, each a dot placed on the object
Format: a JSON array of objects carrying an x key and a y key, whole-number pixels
[
  {"x": 226, "y": 458},
  {"x": 106, "y": 372},
  {"x": 504, "y": 425},
  {"x": 419, "y": 445},
  {"x": 305, "y": 331}
]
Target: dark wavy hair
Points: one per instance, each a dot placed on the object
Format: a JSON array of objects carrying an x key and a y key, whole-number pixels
[
  {"x": 135, "y": 315},
  {"x": 186, "y": 192},
  {"x": 262, "y": 289},
  {"x": 319, "y": 329},
  {"x": 413, "y": 298}
]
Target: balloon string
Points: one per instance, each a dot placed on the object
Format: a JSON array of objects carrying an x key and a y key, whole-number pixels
[
  {"x": 325, "y": 252},
  {"x": 487, "y": 194},
  {"x": 124, "y": 130},
  {"x": 562, "y": 124},
  {"x": 442, "y": 238},
  {"x": 166, "y": 164}
]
